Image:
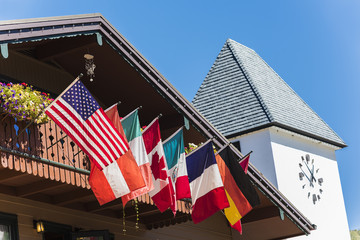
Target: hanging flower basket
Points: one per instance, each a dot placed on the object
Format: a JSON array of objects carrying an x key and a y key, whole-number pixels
[
  {"x": 22, "y": 102},
  {"x": 193, "y": 146}
]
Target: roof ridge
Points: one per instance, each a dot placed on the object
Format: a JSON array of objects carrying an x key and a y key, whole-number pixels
[
  {"x": 230, "y": 43},
  {"x": 45, "y": 19},
  {"x": 302, "y": 100}
]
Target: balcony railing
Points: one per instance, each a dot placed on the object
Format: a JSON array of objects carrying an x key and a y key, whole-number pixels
[
  {"x": 46, "y": 151},
  {"x": 28, "y": 149}
]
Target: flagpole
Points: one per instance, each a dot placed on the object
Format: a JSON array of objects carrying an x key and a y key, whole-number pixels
[
  {"x": 33, "y": 120},
  {"x": 73, "y": 82},
  {"x": 223, "y": 147},
  {"x": 172, "y": 135},
  {"x": 138, "y": 108},
  {"x": 158, "y": 116},
  {"x": 200, "y": 147},
  {"x": 118, "y": 103},
  {"x": 243, "y": 158}
]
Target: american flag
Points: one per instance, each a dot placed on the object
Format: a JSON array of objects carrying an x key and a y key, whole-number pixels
[{"x": 81, "y": 117}]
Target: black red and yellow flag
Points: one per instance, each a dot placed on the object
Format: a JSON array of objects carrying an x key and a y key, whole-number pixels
[{"x": 239, "y": 190}]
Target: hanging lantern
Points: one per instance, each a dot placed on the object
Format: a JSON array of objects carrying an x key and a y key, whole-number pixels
[
  {"x": 39, "y": 226},
  {"x": 90, "y": 66}
]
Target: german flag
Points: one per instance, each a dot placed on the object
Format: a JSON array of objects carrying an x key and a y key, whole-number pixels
[{"x": 239, "y": 190}]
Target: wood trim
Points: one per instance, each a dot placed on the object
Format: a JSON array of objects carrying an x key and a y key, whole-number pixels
[
  {"x": 36, "y": 187},
  {"x": 72, "y": 196},
  {"x": 6, "y": 175}
]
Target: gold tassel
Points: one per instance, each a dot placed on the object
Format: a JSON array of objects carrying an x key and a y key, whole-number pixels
[
  {"x": 137, "y": 215},
  {"x": 124, "y": 229}
]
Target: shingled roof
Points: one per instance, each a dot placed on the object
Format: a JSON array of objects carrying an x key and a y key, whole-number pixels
[{"x": 242, "y": 93}]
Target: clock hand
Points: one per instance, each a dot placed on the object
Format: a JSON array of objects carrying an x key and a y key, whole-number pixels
[
  {"x": 308, "y": 168},
  {"x": 306, "y": 175},
  {"x": 312, "y": 174}
]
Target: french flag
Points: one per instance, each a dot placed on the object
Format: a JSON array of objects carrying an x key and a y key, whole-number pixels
[{"x": 207, "y": 189}]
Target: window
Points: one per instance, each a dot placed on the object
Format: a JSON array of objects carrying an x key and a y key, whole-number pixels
[
  {"x": 56, "y": 231},
  {"x": 93, "y": 235},
  {"x": 4, "y": 232},
  {"x": 8, "y": 227}
]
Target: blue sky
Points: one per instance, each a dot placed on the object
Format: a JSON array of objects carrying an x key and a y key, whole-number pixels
[{"x": 313, "y": 45}]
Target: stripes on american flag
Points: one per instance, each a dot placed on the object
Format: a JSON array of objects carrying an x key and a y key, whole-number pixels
[{"x": 81, "y": 117}]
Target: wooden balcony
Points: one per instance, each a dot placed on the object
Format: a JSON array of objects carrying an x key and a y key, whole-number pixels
[
  {"x": 45, "y": 141},
  {"x": 42, "y": 163}
]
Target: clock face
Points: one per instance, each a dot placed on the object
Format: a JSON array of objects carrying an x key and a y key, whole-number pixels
[{"x": 309, "y": 175}]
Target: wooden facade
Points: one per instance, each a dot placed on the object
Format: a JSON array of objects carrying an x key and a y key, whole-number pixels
[
  {"x": 28, "y": 210},
  {"x": 44, "y": 175}
]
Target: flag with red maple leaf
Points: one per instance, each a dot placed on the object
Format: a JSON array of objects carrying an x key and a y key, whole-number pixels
[
  {"x": 158, "y": 167},
  {"x": 163, "y": 193}
]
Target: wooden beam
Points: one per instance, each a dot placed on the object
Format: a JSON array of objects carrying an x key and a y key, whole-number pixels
[
  {"x": 40, "y": 197},
  {"x": 130, "y": 212},
  {"x": 79, "y": 206},
  {"x": 144, "y": 210},
  {"x": 72, "y": 196},
  {"x": 95, "y": 206},
  {"x": 161, "y": 217},
  {"x": 261, "y": 214},
  {"x": 37, "y": 187},
  {"x": 7, "y": 190},
  {"x": 92, "y": 206},
  {"x": 60, "y": 47},
  {"x": 164, "y": 220},
  {"x": 110, "y": 213},
  {"x": 8, "y": 175}
]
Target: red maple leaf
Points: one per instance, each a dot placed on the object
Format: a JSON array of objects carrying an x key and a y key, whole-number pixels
[{"x": 157, "y": 167}]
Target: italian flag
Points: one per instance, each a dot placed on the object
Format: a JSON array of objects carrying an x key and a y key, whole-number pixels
[{"x": 132, "y": 130}]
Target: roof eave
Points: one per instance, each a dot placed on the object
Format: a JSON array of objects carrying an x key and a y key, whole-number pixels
[
  {"x": 42, "y": 22},
  {"x": 82, "y": 23},
  {"x": 286, "y": 127}
]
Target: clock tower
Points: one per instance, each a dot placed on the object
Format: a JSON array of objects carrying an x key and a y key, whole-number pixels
[{"x": 292, "y": 146}]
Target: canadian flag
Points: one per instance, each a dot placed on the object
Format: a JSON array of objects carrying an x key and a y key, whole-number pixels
[{"x": 163, "y": 193}]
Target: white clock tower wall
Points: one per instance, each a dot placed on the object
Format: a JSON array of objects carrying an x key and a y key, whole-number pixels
[
  {"x": 262, "y": 156},
  {"x": 277, "y": 154}
]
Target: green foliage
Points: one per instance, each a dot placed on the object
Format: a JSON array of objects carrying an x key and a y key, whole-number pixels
[
  {"x": 193, "y": 146},
  {"x": 355, "y": 234},
  {"x": 21, "y": 101}
]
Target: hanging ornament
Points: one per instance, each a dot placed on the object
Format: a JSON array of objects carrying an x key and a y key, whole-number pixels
[
  {"x": 124, "y": 229},
  {"x": 137, "y": 214},
  {"x": 90, "y": 66}
]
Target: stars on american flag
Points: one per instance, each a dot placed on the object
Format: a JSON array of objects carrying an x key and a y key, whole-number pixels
[{"x": 81, "y": 100}]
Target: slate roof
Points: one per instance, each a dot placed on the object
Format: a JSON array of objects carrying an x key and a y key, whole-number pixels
[{"x": 242, "y": 93}]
